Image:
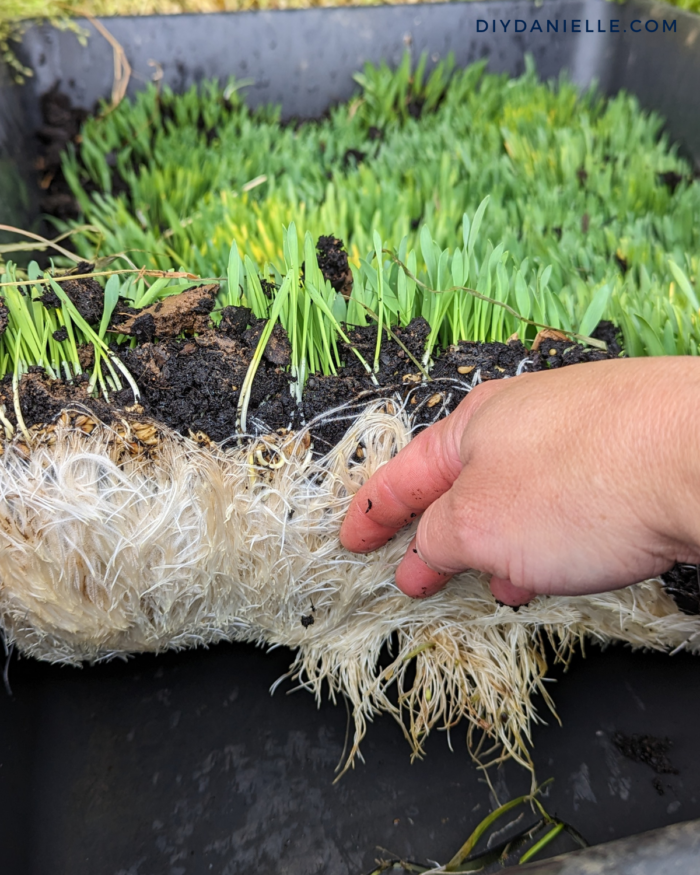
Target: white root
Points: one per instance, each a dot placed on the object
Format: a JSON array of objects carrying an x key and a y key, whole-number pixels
[
  {"x": 6, "y": 424},
  {"x": 106, "y": 552}
]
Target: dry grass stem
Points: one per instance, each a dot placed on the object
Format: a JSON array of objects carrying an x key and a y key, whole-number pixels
[{"x": 122, "y": 68}]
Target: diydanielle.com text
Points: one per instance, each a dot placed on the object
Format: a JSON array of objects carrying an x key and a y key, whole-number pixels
[{"x": 575, "y": 25}]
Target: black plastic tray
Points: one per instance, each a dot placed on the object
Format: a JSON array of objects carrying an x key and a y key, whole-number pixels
[{"x": 183, "y": 764}]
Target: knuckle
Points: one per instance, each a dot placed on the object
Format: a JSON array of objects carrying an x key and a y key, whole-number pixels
[
  {"x": 467, "y": 522},
  {"x": 445, "y": 536},
  {"x": 481, "y": 393},
  {"x": 469, "y": 409}
]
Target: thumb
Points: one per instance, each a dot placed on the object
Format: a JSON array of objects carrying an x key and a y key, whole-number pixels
[
  {"x": 416, "y": 578},
  {"x": 507, "y": 593},
  {"x": 455, "y": 534},
  {"x": 440, "y": 548}
]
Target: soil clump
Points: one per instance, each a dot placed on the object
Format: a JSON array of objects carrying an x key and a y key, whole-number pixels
[
  {"x": 334, "y": 265},
  {"x": 682, "y": 583},
  {"x": 85, "y": 293},
  {"x": 278, "y": 350},
  {"x": 646, "y": 749},
  {"x": 4, "y": 316},
  {"x": 185, "y": 313}
]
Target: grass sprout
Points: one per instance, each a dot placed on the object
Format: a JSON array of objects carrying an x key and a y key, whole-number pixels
[
  {"x": 589, "y": 206},
  {"x": 580, "y": 211},
  {"x": 506, "y": 297},
  {"x": 468, "y": 860}
]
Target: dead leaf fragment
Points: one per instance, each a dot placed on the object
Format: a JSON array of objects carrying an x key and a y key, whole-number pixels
[
  {"x": 186, "y": 312},
  {"x": 547, "y": 334}
]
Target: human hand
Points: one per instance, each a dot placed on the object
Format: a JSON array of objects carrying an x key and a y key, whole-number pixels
[{"x": 577, "y": 480}]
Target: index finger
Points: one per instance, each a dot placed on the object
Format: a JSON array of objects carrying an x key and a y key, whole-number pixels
[{"x": 404, "y": 487}]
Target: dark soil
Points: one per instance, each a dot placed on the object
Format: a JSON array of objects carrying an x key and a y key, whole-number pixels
[
  {"x": 195, "y": 384},
  {"x": 352, "y": 158},
  {"x": 278, "y": 350},
  {"x": 42, "y": 399},
  {"x": 671, "y": 180},
  {"x": 61, "y": 126},
  {"x": 646, "y": 749},
  {"x": 4, "y": 316},
  {"x": 610, "y": 334},
  {"x": 85, "y": 293},
  {"x": 333, "y": 261},
  {"x": 235, "y": 320},
  {"x": 415, "y": 107},
  {"x": 682, "y": 582}
]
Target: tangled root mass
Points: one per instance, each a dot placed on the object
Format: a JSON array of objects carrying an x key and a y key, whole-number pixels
[{"x": 127, "y": 537}]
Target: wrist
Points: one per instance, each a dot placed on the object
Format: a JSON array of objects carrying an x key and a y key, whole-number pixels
[{"x": 674, "y": 457}]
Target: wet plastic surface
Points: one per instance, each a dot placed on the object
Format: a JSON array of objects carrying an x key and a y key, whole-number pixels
[{"x": 183, "y": 764}]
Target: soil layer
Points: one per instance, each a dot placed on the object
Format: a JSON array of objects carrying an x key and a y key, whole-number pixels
[{"x": 190, "y": 370}]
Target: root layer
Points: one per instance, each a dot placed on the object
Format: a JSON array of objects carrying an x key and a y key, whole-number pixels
[{"x": 124, "y": 536}]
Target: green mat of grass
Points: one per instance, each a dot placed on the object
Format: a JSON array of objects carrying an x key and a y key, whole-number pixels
[
  {"x": 488, "y": 206},
  {"x": 584, "y": 194}
]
